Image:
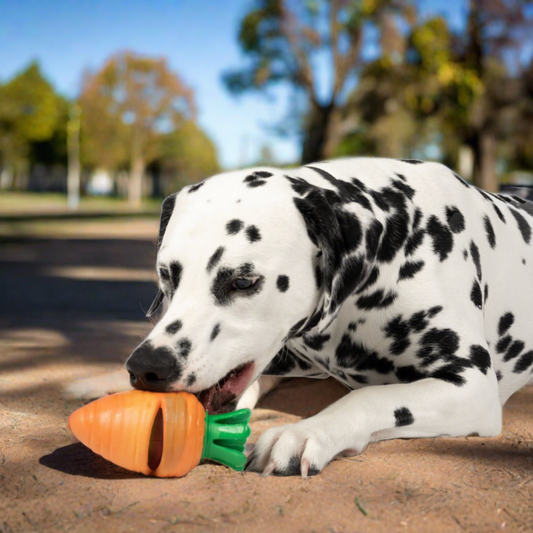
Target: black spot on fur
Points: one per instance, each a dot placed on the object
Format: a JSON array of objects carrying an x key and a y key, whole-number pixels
[
  {"x": 434, "y": 311},
  {"x": 234, "y": 226},
  {"x": 316, "y": 342},
  {"x": 194, "y": 188},
  {"x": 318, "y": 277},
  {"x": 523, "y": 226},
  {"x": 503, "y": 343},
  {"x": 412, "y": 161},
  {"x": 184, "y": 347},
  {"x": 414, "y": 241},
  {"x": 398, "y": 329},
  {"x": 480, "y": 357},
  {"x": 173, "y": 327},
  {"x": 461, "y": 180},
  {"x": 353, "y": 355},
  {"x": 175, "y": 274},
  {"x": 474, "y": 252},
  {"x": 513, "y": 350},
  {"x": 489, "y": 230},
  {"x": 441, "y": 236},
  {"x": 437, "y": 344},
  {"x": 409, "y": 269},
  {"x": 376, "y": 300},
  {"x": 372, "y": 278},
  {"x": 408, "y": 374},
  {"x": 215, "y": 258},
  {"x": 450, "y": 373},
  {"x": 455, "y": 219},
  {"x": 299, "y": 185},
  {"x": 506, "y": 321},
  {"x": 524, "y": 362},
  {"x": 191, "y": 379},
  {"x": 282, "y": 364},
  {"x": 253, "y": 234},
  {"x": 418, "y": 321},
  {"x": 498, "y": 375},
  {"x": 403, "y": 417},
  {"x": 499, "y": 213},
  {"x": 215, "y": 332},
  {"x": 475, "y": 294},
  {"x": 394, "y": 236},
  {"x": 282, "y": 283},
  {"x": 465, "y": 254},
  {"x": 485, "y": 293}
]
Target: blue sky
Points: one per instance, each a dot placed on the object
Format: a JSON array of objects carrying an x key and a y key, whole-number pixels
[{"x": 197, "y": 37}]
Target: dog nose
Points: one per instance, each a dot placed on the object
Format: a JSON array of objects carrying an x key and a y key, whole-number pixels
[{"x": 153, "y": 369}]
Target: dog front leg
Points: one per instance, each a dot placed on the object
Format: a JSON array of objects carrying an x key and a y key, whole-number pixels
[{"x": 429, "y": 407}]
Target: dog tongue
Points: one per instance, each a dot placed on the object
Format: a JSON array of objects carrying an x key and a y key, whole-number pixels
[{"x": 217, "y": 398}]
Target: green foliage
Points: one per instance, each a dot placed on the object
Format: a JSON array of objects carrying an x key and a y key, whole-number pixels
[{"x": 30, "y": 112}]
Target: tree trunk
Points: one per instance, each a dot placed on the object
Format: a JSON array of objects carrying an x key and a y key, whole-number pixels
[
  {"x": 484, "y": 148},
  {"x": 135, "y": 185},
  {"x": 316, "y": 133}
]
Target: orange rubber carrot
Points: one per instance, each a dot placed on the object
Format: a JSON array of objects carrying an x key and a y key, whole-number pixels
[{"x": 160, "y": 434}]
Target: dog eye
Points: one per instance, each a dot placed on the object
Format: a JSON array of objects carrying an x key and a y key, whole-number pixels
[
  {"x": 242, "y": 283},
  {"x": 165, "y": 274}
]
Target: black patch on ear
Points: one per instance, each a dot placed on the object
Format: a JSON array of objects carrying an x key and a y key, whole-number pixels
[
  {"x": 395, "y": 234},
  {"x": 174, "y": 327},
  {"x": 403, "y": 417},
  {"x": 194, "y": 188},
  {"x": 282, "y": 283},
  {"x": 234, "y": 226},
  {"x": 215, "y": 332},
  {"x": 480, "y": 357},
  {"x": 489, "y": 230},
  {"x": 253, "y": 234},
  {"x": 175, "y": 274},
  {"x": 474, "y": 252},
  {"x": 455, "y": 219},
  {"x": 318, "y": 277},
  {"x": 506, "y": 321},
  {"x": 158, "y": 300},
  {"x": 215, "y": 258},
  {"x": 475, "y": 294},
  {"x": 167, "y": 208},
  {"x": 191, "y": 379},
  {"x": 523, "y": 226},
  {"x": 442, "y": 237}
]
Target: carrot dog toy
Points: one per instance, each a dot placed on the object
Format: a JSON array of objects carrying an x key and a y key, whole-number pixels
[{"x": 160, "y": 434}]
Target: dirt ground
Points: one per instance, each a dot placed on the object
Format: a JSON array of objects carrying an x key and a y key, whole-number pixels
[{"x": 73, "y": 306}]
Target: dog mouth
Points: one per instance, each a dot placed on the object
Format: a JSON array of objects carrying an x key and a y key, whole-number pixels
[{"x": 220, "y": 397}]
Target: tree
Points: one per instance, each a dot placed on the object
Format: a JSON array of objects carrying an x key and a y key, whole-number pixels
[
  {"x": 186, "y": 155},
  {"x": 125, "y": 107},
  {"x": 30, "y": 116},
  {"x": 283, "y": 42}
]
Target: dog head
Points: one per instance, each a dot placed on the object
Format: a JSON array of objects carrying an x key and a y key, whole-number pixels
[{"x": 246, "y": 260}]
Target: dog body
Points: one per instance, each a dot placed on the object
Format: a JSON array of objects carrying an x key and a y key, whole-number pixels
[{"x": 399, "y": 279}]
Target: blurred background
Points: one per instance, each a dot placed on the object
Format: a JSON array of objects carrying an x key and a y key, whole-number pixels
[{"x": 127, "y": 101}]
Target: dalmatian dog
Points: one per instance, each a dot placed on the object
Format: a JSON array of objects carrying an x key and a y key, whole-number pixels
[{"x": 407, "y": 284}]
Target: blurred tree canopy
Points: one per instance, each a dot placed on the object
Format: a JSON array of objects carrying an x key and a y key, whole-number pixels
[
  {"x": 284, "y": 42},
  {"x": 31, "y": 115},
  {"x": 126, "y": 107},
  {"x": 135, "y": 112}
]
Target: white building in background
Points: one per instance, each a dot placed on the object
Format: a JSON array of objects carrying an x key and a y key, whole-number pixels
[{"x": 100, "y": 183}]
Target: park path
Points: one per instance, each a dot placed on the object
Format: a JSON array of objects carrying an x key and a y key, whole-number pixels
[{"x": 72, "y": 306}]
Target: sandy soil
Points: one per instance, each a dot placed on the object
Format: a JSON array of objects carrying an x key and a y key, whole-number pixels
[{"x": 73, "y": 307}]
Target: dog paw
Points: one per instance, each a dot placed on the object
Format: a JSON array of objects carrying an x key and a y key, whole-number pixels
[
  {"x": 295, "y": 449},
  {"x": 98, "y": 386}
]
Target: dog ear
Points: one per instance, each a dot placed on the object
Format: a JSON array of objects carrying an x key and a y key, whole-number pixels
[
  {"x": 348, "y": 241},
  {"x": 167, "y": 208}
]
